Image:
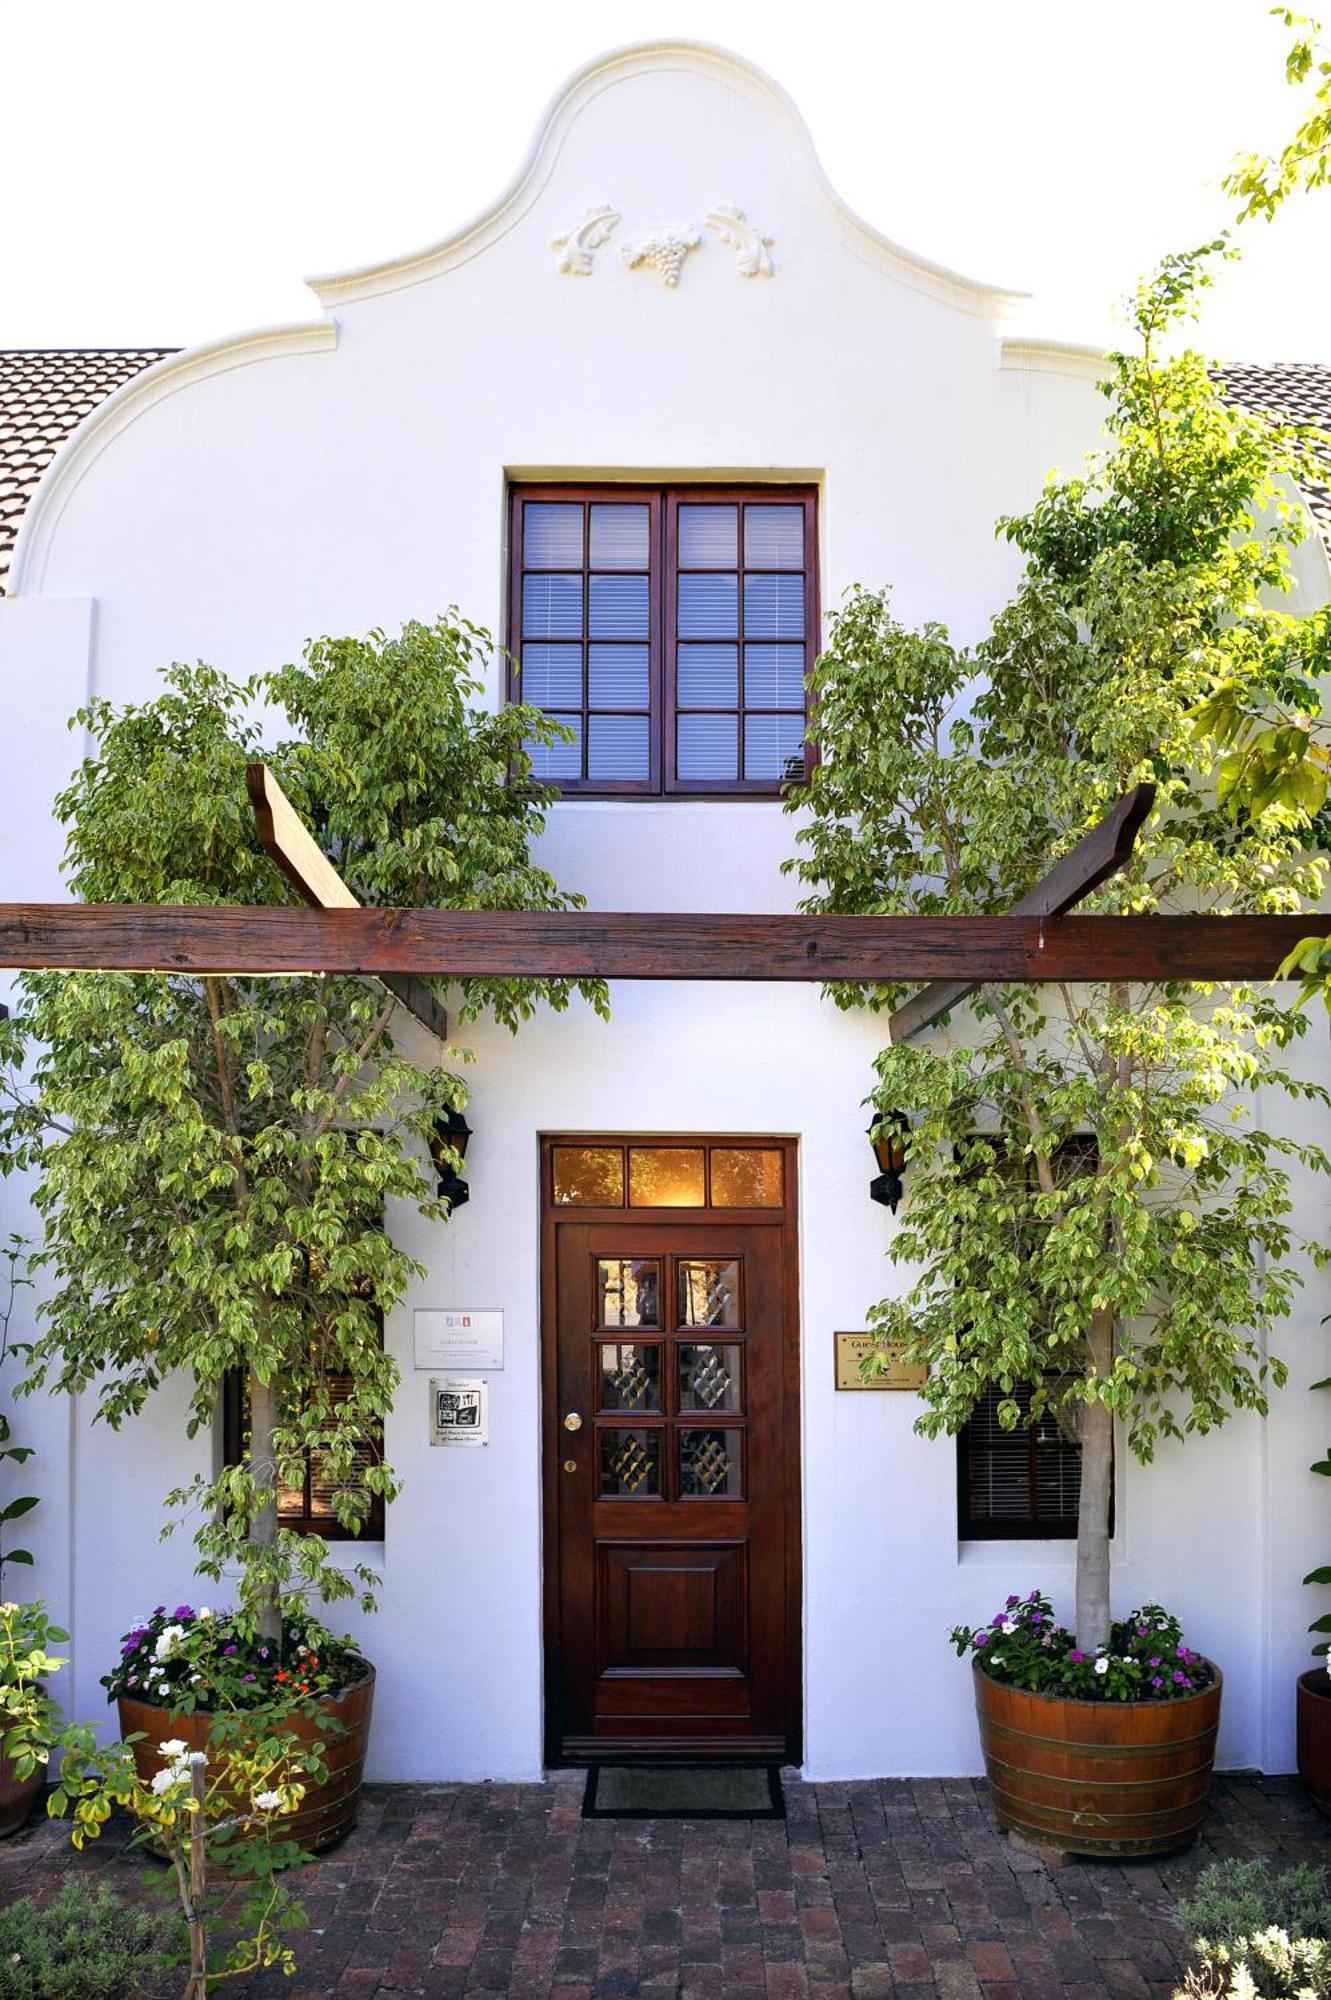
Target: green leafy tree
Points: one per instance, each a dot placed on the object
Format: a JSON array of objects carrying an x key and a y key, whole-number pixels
[
  {"x": 1260, "y": 183},
  {"x": 217, "y": 1157},
  {"x": 1092, "y": 1214}
]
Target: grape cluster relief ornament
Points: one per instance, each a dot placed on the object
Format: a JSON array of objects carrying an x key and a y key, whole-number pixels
[{"x": 663, "y": 251}]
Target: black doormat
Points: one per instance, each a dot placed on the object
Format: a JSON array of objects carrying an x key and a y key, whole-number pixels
[{"x": 683, "y": 1791}]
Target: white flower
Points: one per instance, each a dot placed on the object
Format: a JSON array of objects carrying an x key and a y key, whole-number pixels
[
  {"x": 169, "y": 1775},
  {"x": 204, "y": 1612},
  {"x": 1009, "y": 1625},
  {"x": 174, "y": 1747},
  {"x": 995, "y": 1659},
  {"x": 1102, "y": 1665},
  {"x": 267, "y": 1802},
  {"x": 168, "y": 1641}
]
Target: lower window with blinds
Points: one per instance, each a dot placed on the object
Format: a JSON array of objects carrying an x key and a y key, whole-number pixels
[
  {"x": 1020, "y": 1484},
  {"x": 308, "y": 1508}
]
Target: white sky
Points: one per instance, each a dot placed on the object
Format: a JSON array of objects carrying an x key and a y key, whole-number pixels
[{"x": 174, "y": 170}]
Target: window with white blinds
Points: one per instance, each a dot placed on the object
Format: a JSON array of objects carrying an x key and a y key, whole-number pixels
[
  {"x": 1021, "y": 1483},
  {"x": 670, "y": 631},
  {"x": 308, "y": 1506}
]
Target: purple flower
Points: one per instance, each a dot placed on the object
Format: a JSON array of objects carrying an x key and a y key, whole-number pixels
[
  {"x": 980, "y": 1639},
  {"x": 1156, "y": 1681},
  {"x": 1075, "y": 1655},
  {"x": 1142, "y": 1631},
  {"x": 158, "y": 1609},
  {"x": 1013, "y": 1600},
  {"x": 263, "y": 1652},
  {"x": 230, "y": 1649},
  {"x": 1154, "y": 1660},
  {"x": 183, "y": 1611},
  {"x": 1180, "y": 1677},
  {"x": 251, "y": 1677},
  {"x": 1037, "y": 1618}
]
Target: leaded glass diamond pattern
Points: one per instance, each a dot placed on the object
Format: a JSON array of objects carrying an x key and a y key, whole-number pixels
[
  {"x": 709, "y": 1379},
  {"x": 630, "y": 1463},
  {"x": 630, "y": 1377},
  {"x": 708, "y": 1463}
]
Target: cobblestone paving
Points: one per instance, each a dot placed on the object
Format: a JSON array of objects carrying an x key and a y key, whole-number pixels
[{"x": 900, "y": 1886}]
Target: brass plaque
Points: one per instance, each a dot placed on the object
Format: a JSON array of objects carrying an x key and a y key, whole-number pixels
[{"x": 851, "y": 1349}]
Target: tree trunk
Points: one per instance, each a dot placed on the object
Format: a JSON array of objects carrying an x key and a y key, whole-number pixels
[
  {"x": 263, "y": 1470},
  {"x": 1097, "y": 1477}
]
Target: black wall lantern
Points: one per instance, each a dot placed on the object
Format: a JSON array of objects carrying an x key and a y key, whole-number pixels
[
  {"x": 450, "y": 1134},
  {"x": 887, "y": 1136}
]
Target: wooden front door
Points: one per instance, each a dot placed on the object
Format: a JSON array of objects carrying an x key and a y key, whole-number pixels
[{"x": 672, "y": 1454}]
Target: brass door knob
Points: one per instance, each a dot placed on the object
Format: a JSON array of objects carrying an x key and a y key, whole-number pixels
[{"x": 573, "y": 1422}]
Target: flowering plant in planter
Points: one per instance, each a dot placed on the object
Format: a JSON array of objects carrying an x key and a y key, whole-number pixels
[
  {"x": 186, "y": 1659},
  {"x": 29, "y": 1719},
  {"x": 1024, "y": 1646}
]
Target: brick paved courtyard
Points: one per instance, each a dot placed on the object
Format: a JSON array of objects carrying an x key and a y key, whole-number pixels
[{"x": 865, "y": 1889}]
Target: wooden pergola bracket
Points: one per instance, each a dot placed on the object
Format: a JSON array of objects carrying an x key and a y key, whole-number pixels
[
  {"x": 1097, "y": 856},
  {"x": 306, "y": 866}
]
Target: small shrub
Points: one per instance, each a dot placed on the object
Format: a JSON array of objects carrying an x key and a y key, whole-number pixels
[
  {"x": 80, "y": 1947},
  {"x": 1269, "y": 1965},
  {"x": 1234, "y": 1900}
]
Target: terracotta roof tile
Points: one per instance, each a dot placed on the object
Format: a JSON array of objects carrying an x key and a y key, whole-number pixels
[{"x": 44, "y": 393}]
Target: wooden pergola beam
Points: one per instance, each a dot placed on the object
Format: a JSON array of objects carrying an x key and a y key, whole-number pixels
[
  {"x": 1097, "y": 856},
  {"x": 306, "y": 866},
  {"x": 587, "y": 944}
]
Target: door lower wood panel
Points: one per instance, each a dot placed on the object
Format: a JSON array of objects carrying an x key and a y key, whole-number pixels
[{"x": 671, "y": 1450}]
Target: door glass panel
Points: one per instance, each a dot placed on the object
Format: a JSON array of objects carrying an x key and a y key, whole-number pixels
[
  {"x": 709, "y": 1464},
  {"x": 630, "y": 1377},
  {"x": 589, "y": 1176},
  {"x": 773, "y": 537},
  {"x": 708, "y": 537},
  {"x": 708, "y": 1376},
  {"x": 709, "y": 1294},
  {"x": 746, "y": 1177},
  {"x": 666, "y": 1177},
  {"x": 552, "y": 534},
  {"x": 619, "y": 535},
  {"x": 630, "y": 1463},
  {"x": 628, "y": 1292}
]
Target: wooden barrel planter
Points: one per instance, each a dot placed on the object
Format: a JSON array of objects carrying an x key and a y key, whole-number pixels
[
  {"x": 18, "y": 1796},
  {"x": 1313, "y": 1723},
  {"x": 327, "y": 1811},
  {"x": 1099, "y": 1777}
]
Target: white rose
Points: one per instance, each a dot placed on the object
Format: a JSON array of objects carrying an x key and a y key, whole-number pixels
[
  {"x": 164, "y": 1780},
  {"x": 167, "y": 1642},
  {"x": 1102, "y": 1666},
  {"x": 267, "y": 1802},
  {"x": 174, "y": 1747}
]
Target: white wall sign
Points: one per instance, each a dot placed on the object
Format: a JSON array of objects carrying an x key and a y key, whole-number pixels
[
  {"x": 459, "y": 1411},
  {"x": 464, "y": 1337}
]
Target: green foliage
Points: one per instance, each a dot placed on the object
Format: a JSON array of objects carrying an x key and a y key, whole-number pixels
[
  {"x": 1144, "y": 1659},
  {"x": 1091, "y": 1210},
  {"x": 218, "y": 1158},
  {"x": 81, "y": 1946},
  {"x": 1260, "y": 184},
  {"x": 1232, "y": 1899},
  {"x": 29, "y": 1719},
  {"x": 1267, "y": 1965},
  {"x": 18, "y": 1504}
]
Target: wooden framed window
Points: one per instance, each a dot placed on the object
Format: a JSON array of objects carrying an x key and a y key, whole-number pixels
[
  {"x": 1021, "y": 1484},
  {"x": 307, "y": 1508},
  {"x": 671, "y": 630},
  {"x": 1024, "y": 1483}
]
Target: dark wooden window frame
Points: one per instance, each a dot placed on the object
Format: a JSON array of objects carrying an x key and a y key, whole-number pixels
[
  {"x": 306, "y": 1522},
  {"x": 664, "y": 501}
]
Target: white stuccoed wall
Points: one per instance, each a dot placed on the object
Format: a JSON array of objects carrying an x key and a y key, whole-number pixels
[{"x": 352, "y": 473}]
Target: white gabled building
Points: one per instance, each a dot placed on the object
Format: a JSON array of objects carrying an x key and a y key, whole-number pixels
[{"x": 643, "y": 418}]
